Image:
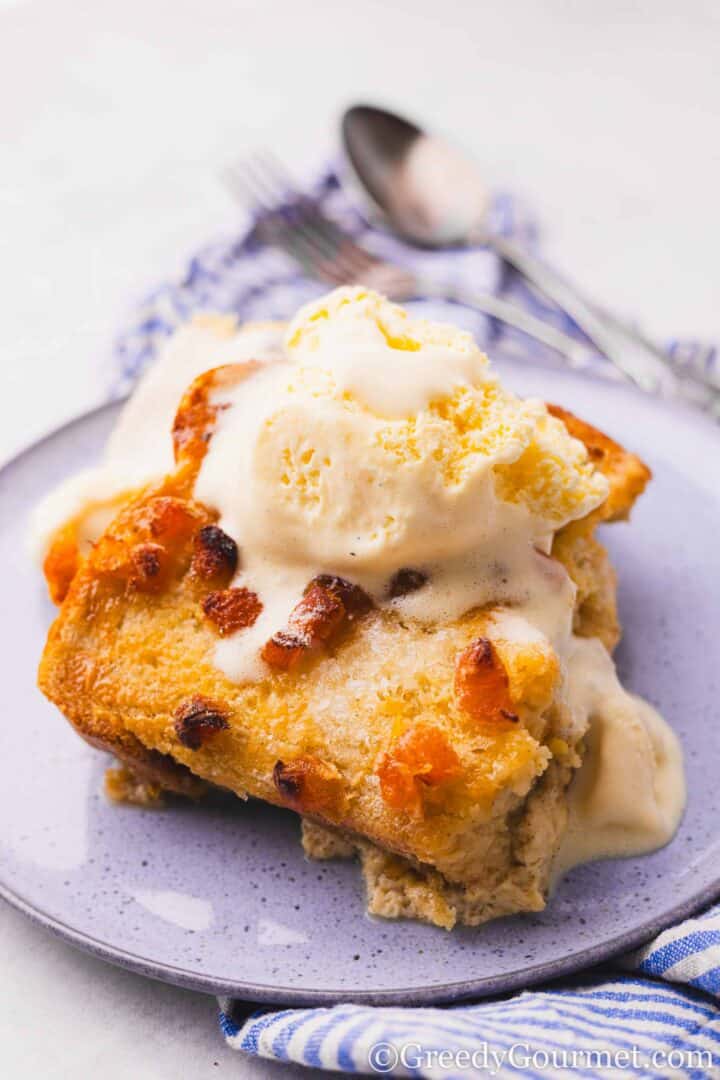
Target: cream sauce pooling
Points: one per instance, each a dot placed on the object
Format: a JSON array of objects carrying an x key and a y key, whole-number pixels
[{"x": 629, "y": 795}]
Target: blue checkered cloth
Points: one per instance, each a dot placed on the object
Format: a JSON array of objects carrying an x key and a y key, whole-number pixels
[{"x": 656, "y": 1013}]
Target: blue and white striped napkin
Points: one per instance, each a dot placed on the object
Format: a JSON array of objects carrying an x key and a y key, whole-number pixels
[
  {"x": 661, "y": 1021},
  {"x": 656, "y": 1013}
]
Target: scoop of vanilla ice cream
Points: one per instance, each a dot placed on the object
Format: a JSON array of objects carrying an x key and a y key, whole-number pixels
[{"x": 386, "y": 441}]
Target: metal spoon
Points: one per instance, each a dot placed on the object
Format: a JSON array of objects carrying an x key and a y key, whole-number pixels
[{"x": 432, "y": 195}]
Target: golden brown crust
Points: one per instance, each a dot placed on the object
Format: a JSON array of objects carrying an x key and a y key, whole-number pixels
[
  {"x": 69, "y": 544},
  {"x": 61, "y": 561},
  {"x": 197, "y": 413},
  {"x": 192, "y": 430},
  {"x": 626, "y": 473}
]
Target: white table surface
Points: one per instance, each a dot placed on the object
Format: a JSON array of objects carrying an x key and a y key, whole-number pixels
[{"x": 115, "y": 118}]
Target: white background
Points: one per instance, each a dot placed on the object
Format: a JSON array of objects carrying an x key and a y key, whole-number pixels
[{"x": 115, "y": 119}]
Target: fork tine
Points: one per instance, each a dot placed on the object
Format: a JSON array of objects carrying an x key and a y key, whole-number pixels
[
  {"x": 273, "y": 175},
  {"x": 314, "y": 261},
  {"x": 276, "y": 175},
  {"x": 295, "y": 222},
  {"x": 353, "y": 259},
  {"x": 242, "y": 187},
  {"x": 291, "y": 230},
  {"x": 288, "y": 231},
  {"x": 245, "y": 184},
  {"x": 274, "y": 166}
]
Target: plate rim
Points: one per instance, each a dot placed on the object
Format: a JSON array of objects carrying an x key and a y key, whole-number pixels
[
  {"x": 445, "y": 992},
  {"x": 438, "y": 993}
]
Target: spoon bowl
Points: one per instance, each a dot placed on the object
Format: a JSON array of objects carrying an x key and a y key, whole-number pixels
[
  {"x": 432, "y": 195},
  {"x": 424, "y": 188}
]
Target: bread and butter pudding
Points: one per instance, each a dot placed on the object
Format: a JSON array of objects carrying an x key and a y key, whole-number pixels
[{"x": 368, "y": 588}]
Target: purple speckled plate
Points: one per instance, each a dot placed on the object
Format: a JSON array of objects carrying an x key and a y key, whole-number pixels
[{"x": 218, "y": 897}]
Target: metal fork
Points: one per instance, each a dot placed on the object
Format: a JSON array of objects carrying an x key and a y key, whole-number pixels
[
  {"x": 289, "y": 219},
  {"x": 292, "y": 221}
]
